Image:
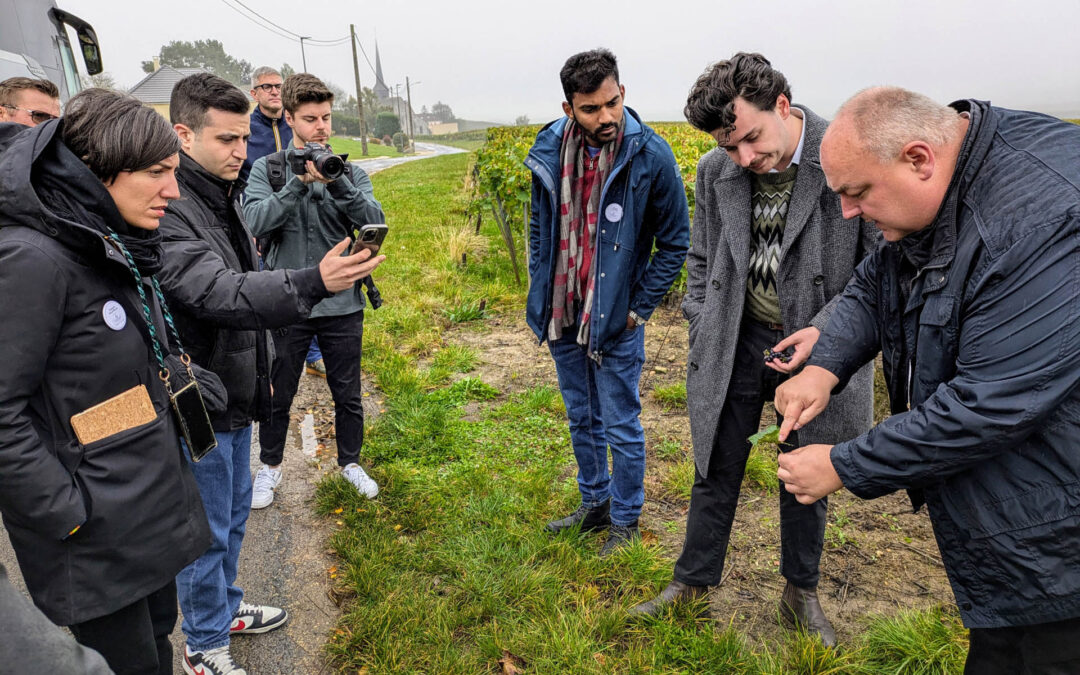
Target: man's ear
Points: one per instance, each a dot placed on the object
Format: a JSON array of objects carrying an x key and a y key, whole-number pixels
[
  {"x": 920, "y": 157},
  {"x": 187, "y": 136},
  {"x": 783, "y": 106},
  {"x": 566, "y": 108},
  {"x": 287, "y": 116}
]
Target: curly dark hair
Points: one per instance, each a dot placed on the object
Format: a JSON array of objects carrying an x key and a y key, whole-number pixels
[{"x": 750, "y": 76}]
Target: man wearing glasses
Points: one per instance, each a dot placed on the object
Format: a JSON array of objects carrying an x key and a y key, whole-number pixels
[
  {"x": 29, "y": 102},
  {"x": 269, "y": 133}
]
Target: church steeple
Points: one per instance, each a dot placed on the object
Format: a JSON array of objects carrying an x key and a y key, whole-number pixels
[{"x": 381, "y": 90}]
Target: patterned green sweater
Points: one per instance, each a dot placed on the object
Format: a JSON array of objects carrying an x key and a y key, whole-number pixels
[{"x": 769, "y": 200}]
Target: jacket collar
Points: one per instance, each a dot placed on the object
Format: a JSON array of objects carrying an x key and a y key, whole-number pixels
[
  {"x": 977, "y": 140},
  {"x": 215, "y": 192},
  {"x": 258, "y": 116},
  {"x": 545, "y": 150}
]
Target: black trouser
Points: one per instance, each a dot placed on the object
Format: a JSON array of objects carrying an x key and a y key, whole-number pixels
[
  {"x": 714, "y": 497},
  {"x": 340, "y": 338},
  {"x": 135, "y": 639},
  {"x": 1039, "y": 649}
]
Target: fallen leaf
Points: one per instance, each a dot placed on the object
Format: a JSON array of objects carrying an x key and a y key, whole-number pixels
[
  {"x": 338, "y": 510},
  {"x": 510, "y": 664}
]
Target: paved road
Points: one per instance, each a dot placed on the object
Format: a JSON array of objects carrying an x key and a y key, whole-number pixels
[{"x": 423, "y": 151}]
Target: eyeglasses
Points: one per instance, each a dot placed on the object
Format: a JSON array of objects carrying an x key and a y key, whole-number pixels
[
  {"x": 268, "y": 87},
  {"x": 38, "y": 116}
]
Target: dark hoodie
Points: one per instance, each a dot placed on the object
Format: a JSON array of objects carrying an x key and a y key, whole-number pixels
[{"x": 131, "y": 495}]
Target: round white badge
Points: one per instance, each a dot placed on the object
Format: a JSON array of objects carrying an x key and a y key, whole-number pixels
[
  {"x": 613, "y": 213},
  {"x": 114, "y": 314}
]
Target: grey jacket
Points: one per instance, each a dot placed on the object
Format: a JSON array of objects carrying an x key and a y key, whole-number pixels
[
  {"x": 819, "y": 254},
  {"x": 312, "y": 219}
]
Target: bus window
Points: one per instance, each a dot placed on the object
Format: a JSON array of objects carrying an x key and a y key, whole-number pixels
[{"x": 71, "y": 73}]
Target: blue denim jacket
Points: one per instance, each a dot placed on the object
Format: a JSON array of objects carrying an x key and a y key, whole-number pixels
[{"x": 630, "y": 275}]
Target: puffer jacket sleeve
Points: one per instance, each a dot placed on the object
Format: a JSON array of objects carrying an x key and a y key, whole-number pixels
[
  {"x": 670, "y": 216},
  {"x": 1019, "y": 337},
  {"x": 35, "y": 488},
  {"x": 194, "y": 276}
]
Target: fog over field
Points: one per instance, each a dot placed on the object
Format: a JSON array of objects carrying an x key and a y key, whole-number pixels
[{"x": 495, "y": 60}]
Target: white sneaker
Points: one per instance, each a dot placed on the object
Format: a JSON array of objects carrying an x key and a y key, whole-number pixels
[
  {"x": 254, "y": 619},
  {"x": 262, "y": 489},
  {"x": 211, "y": 662},
  {"x": 363, "y": 482}
]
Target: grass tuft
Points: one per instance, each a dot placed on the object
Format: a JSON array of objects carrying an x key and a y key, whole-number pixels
[{"x": 671, "y": 397}]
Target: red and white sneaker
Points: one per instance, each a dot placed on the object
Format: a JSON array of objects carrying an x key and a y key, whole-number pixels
[
  {"x": 251, "y": 619},
  {"x": 210, "y": 662}
]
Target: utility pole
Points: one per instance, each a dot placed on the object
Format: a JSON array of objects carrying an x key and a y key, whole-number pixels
[
  {"x": 408, "y": 92},
  {"x": 303, "y": 56},
  {"x": 359, "y": 92}
]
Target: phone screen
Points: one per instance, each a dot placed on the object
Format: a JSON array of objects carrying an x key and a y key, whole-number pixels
[{"x": 194, "y": 422}]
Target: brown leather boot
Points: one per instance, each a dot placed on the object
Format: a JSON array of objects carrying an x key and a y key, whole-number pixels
[
  {"x": 675, "y": 592},
  {"x": 800, "y": 608}
]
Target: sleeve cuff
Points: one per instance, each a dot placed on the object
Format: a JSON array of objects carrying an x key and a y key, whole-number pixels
[{"x": 310, "y": 284}]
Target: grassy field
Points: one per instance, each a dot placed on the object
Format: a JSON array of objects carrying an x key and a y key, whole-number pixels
[
  {"x": 449, "y": 571},
  {"x": 354, "y": 148}
]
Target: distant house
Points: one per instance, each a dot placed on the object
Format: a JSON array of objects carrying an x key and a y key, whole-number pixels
[
  {"x": 442, "y": 128},
  {"x": 156, "y": 88}
]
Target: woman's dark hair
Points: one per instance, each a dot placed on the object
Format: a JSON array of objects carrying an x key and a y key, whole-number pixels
[
  {"x": 113, "y": 132},
  {"x": 750, "y": 76},
  {"x": 194, "y": 96},
  {"x": 584, "y": 73}
]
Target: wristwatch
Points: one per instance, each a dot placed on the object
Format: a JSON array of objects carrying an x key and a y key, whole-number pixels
[{"x": 638, "y": 320}]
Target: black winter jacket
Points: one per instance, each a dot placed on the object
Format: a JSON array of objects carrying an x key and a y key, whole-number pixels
[
  {"x": 221, "y": 302},
  {"x": 133, "y": 493},
  {"x": 985, "y": 355}
]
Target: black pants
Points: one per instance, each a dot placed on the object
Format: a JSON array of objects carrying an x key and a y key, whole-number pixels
[
  {"x": 135, "y": 639},
  {"x": 1039, "y": 649},
  {"x": 341, "y": 339},
  {"x": 714, "y": 497}
]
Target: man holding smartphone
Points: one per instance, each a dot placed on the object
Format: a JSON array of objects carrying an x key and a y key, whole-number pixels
[
  {"x": 303, "y": 220},
  {"x": 223, "y": 305}
]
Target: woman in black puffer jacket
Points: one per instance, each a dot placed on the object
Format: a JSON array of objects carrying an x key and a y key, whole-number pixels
[{"x": 100, "y": 528}]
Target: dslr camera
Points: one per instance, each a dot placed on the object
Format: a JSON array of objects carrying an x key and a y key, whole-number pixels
[{"x": 326, "y": 162}]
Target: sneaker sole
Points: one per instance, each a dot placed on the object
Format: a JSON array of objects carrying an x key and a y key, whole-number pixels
[
  {"x": 262, "y": 629},
  {"x": 261, "y": 506}
]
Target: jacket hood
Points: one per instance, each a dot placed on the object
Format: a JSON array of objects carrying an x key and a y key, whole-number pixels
[
  {"x": 549, "y": 139},
  {"x": 45, "y": 185}
]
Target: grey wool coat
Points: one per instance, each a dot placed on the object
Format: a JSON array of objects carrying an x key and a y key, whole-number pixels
[{"x": 819, "y": 253}]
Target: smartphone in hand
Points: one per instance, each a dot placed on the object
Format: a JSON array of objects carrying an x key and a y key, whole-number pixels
[{"x": 368, "y": 236}]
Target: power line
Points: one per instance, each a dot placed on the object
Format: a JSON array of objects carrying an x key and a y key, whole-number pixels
[
  {"x": 365, "y": 56},
  {"x": 261, "y": 20}
]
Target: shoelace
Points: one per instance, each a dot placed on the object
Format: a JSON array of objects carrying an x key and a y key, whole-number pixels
[
  {"x": 221, "y": 659},
  {"x": 264, "y": 480}
]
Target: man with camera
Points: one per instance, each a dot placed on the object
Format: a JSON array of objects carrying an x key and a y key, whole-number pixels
[
  {"x": 303, "y": 201},
  {"x": 223, "y": 306}
]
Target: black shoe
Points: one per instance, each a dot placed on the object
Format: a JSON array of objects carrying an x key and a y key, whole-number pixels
[
  {"x": 800, "y": 607},
  {"x": 676, "y": 592},
  {"x": 595, "y": 518},
  {"x": 619, "y": 536}
]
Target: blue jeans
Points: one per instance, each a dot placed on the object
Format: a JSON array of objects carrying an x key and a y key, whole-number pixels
[
  {"x": 207, "y": 587},
  {"x": 313, "y": 353},
  {"x": 603, "y": 406}
]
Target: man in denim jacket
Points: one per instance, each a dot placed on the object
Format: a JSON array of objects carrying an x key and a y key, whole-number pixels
[{"x": 606, "y": 192}]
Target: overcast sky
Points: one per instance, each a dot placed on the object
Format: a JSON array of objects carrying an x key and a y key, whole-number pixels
[{"x": 496, "y": 60}]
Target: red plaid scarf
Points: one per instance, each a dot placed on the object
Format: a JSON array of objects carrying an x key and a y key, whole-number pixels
[{"x": 575, "y": 284}]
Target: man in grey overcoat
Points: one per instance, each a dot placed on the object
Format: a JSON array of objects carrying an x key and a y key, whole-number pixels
[{"x": 770, "y": 255}]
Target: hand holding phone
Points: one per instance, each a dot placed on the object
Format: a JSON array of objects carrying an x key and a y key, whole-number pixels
[
  {"x": 339, "y": 271},
  {"x": 368, "y": 236}
]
